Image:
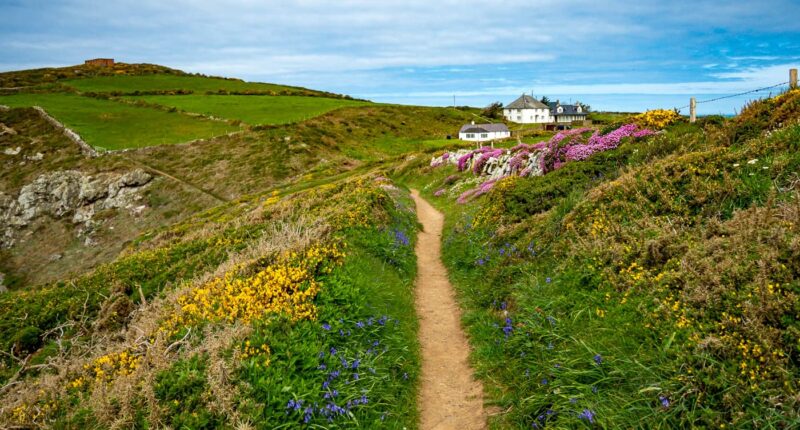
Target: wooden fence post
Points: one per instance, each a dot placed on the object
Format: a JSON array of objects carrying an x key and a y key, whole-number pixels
[
  {"x": 792, "y": 78},
  {"x": 692, "y": 110}
]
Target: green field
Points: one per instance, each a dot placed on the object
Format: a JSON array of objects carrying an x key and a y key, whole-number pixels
[
  {"x": 254, "y": 110},
  {"x": 111, "y": 125},
  {"x": 127, "y": 83}
]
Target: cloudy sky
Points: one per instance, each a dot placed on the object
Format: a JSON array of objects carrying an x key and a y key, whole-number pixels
[{"x": 613, "y": 55}]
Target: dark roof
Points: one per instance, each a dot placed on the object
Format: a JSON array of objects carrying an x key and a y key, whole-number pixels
[
  {"x": 483, "y": 128},
  {"x": 568, "y": 109},
  {"x": 526, "y": 102}
]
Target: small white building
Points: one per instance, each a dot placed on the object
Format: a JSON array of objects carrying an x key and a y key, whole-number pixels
[
  {"x": 483, "y": 132},
  {"x": 528, "y": 110}
]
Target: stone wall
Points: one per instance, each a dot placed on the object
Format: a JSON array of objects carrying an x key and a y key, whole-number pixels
[{"x": 71, "y": 135}]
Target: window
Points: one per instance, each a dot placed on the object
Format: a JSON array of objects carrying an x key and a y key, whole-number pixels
[
  {"x": 470, "y": 135},
  {"x": 519, "y": 117},
  {"x": 484, "y": 135}
]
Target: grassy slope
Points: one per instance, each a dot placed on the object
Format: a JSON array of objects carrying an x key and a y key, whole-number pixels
[
  {"x": 29, "y": 262},
  {"x": 253, "y": 110},
  {"x": 655, "y": 285},
  {"x": 50, "y": 75},
  {"x": 367, "y": 295},
  {"x": 111, "y": 125},
  {"x": 163, "y": 82},
  {"x": 327, "y": 145}
]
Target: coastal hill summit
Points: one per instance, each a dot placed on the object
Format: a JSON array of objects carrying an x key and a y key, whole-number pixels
[{"x": 188, "y": 251}]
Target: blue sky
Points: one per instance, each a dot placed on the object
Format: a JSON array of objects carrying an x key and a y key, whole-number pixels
[{"x": 613, "y": 55}]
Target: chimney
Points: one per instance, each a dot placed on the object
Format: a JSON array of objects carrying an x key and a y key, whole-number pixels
[{"x": 472, "y": 122}]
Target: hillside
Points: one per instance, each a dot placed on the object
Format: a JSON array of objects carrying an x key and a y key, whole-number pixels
[
  {"x": 72, "y": 220},
  {"x": 654, "y": 285},
  {"x": 640, "y": 274}
]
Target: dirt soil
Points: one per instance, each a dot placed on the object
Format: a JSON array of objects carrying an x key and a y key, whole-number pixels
[{"x": 450, "y": 398}]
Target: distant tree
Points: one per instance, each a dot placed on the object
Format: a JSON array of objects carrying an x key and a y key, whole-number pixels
[
  {"x": 585, "y": 107},
  {"x": 545, "y": 100},
  {"x": 493, "y": 111}
]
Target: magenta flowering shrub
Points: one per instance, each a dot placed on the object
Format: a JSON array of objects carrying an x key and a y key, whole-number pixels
[
  {"x": 439, "y": 192},
  {"x": 576, "y": 149},
  {"x": 477, "y": 191},
  {"x": 477, "y": 165},
  {"x": 539, "y": 158}
]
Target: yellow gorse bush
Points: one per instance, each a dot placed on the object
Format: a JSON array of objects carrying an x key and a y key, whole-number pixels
[
  {"x": 287, "y": 287},
  {"x": 109, "y": 366},
  {"x": 658, "y": 118}
]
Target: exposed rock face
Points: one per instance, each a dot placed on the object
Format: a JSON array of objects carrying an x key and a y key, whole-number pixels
[
  {"x": 69, "y": 193},
  {"x": 3, "y": 287}
]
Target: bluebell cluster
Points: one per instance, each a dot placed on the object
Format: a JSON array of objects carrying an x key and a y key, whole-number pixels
[
  {"x": 400, "y": 238},
  {"x": 541, "y": 420},
  {"x": 587, "y": 415},
  {"x": 506, "y": 251},
  {"x": 338, "y": 371}
]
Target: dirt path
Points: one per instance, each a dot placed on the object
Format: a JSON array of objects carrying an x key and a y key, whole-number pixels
[{"x": 450, "y": 398}]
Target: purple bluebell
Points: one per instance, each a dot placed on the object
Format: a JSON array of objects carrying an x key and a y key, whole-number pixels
[
  {"x": 355, "y": 376},
  {"x": 360, "y": 324},
  {"x": 598, "y": 359},
  {"x": 326, "y": 326},
  {"x": 333, "y": 351},
  {"x": 548, "y": 280},
  {"x": 664, "y": 401},
  {"x": 587, "y": 415},
  {"x": 356, "y": 363},
  {"x": 544, "y": 381}
]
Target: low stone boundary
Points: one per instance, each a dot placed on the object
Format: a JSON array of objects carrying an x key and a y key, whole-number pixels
[{"x": 71, "y": 135}]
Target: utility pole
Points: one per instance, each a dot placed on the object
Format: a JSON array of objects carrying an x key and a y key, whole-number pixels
[
  {"x": 792, "y": 78},
  {"x": 692, "y": 110},
  {"x": 454, "y": 101}
]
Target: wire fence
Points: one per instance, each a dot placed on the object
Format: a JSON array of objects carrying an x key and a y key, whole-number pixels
[{"x": 735, "y": 95}]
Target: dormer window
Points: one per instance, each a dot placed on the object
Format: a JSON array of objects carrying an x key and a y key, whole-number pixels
[
  {"x": 579, "y": 109},
  {"x": 560, "y": 109}
]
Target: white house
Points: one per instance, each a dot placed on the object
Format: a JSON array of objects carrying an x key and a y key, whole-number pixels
[
  {"x": 528, "y": 110},
  {"x": 483, "y": 132},
  {"x": 567, "y": 113}
]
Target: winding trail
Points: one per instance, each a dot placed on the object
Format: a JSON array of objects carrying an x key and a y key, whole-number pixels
[{"x": 450, "y": 398}]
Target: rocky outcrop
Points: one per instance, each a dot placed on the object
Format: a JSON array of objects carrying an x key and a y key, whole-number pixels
[{"x": 70, "y": 194}]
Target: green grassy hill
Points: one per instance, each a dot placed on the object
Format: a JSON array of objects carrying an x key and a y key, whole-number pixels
[
  {"x": 252, "y": 110},
  {"x": 191, "y": 176},
  {"x": 654, "y": 285}
]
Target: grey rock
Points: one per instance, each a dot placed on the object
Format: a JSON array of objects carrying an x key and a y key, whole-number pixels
[
  {"x": 12, "y": 151},
  {"x": 72, "y": 194},
  {"x": 3, "y": 287},
  {"x": 93, "y": 190},
  {"x": 136, "y": 178}
]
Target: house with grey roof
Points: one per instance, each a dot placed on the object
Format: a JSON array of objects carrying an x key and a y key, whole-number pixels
[
  {"x": 528, "y": 110},
  {"x": 567, "y": 113},
  {"x": 483, "y": 132}
]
